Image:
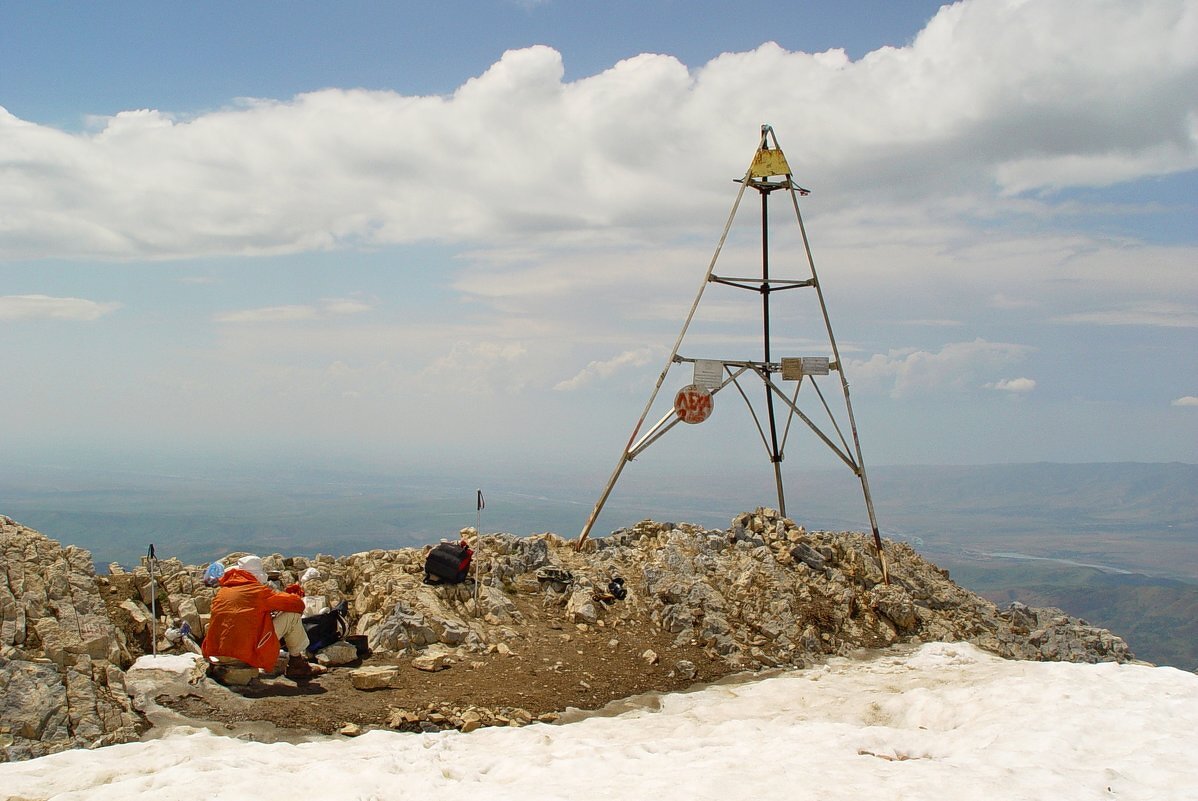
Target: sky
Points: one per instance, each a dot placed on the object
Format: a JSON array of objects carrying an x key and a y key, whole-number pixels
[
  {"x": 392, "y": 235},
  {"x": 945, "y": 721}
]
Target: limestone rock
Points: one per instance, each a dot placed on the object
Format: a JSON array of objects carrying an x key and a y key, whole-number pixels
[
  {"x": 375, "y": 677},
  {"x": 339, "y": 653},
  {"x": 402, "y": 628},
  {"x": 580, "y": 608},
  {"x": 802, "y": 552},
  {"x": 61, "y": 679},
  {"x": 432, "y": 662},
  {"x": 895, "y": 604},
  {"x": 686, "y": 668},
  {"x": 233, "y": 675}
]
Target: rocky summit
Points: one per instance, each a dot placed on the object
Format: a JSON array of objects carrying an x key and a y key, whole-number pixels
[{"x": 660, "y": 605}]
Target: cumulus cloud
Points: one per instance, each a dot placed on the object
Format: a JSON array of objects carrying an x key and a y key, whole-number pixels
[
  {"x": 45, "y": 307},
  {"x": 958, "y": 366},
  {"x": 1015, "y": 385},
  {"x": 992, "y": 93},
  {"x": 329, "y": 307},
  {"x": 1185, "y": 400},
  {"x": 606, "y": 368}
]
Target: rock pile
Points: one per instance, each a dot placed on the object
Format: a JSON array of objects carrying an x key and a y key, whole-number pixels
[
  {"x": 61, "y": 657},
  {"x": 763, "y": 593},
  {"x": 439, "y": 717}
]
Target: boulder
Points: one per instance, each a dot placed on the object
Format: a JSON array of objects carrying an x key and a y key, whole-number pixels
[
  {"x": 339, "y": 653},
  {"x": 376, "y": 677},
  {"x": 802, "y": 552},
  {"x": 580, "y": 608},
  {"x": 894, "y": 603},
  {"x": 432, "y": 662}
]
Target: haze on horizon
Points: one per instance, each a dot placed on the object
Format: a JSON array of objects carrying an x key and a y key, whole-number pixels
[{"x": 337, "y": 238}]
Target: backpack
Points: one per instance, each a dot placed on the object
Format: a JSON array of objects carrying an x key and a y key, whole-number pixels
[
  {"x": 447, "y": 563},
  {"x": 328, "y": 627},
  {"x": 213, "y": 573}
]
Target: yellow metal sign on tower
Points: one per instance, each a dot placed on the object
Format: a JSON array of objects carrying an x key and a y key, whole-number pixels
[{"x": 768, "y": 161}]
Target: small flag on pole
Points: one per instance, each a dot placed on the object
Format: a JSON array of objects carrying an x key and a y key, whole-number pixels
[
  {"x": 477, "y": 564},
  {"x": 150, "y": 559}
]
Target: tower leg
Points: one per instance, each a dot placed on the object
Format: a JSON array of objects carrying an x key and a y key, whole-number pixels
[{"x": 778, "y": 481}]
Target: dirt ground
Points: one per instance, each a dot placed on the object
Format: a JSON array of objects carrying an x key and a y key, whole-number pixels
[{"x": 552, "y": 667}]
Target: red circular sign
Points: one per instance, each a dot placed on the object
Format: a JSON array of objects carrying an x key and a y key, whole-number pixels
[{"x": 693, "y": 404}]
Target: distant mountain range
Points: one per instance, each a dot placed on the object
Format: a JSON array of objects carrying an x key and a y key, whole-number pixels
[{"x": 1038, "y": 495}]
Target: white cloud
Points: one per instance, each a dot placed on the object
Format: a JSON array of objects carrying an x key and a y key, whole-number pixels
[
  {"x": 1185, "y": 400},
  {"x": 1015, "y": 385},
  {"x": 1022, "y": 95},
  {"x": 1157, "y": 315},
  {"x": 329, "y": 307},
  {"x": 1002, "y": 300},
  {"x": 479, "y": 368},
  {"x": 606, "y": 368},
  {"x": 957, "y": 366},
  {"x": 944, "y": 323},
  {"x": 45, "y": 307},
  {"x": 345, "y": 306},
  {"x": 269, "y": 314}
]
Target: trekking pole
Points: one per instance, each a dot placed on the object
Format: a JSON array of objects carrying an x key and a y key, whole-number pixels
[
  {"x": 153, "y": 603},
  {"x": 478, "y": 544}
]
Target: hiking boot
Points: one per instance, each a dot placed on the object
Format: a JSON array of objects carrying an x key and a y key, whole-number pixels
[{"x": 298, "y": 669}]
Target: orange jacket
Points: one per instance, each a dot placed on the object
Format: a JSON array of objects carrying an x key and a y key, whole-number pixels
[{"x": 241, "y": 626}]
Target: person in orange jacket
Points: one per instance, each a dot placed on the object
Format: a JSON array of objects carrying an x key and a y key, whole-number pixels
[{"x": 249, "y": 619}]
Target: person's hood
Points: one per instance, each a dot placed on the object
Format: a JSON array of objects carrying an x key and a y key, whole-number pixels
[
  {"x": 238, "y": 577},
  {"x": 253, "y": 565}
]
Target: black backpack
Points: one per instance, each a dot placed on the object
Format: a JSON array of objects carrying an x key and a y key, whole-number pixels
[
  {"x": 447, "y": 563},
  {"x": 328, "y": 627}
]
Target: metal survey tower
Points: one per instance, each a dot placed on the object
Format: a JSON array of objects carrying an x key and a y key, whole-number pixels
[{"x": 767, "y": 174}]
